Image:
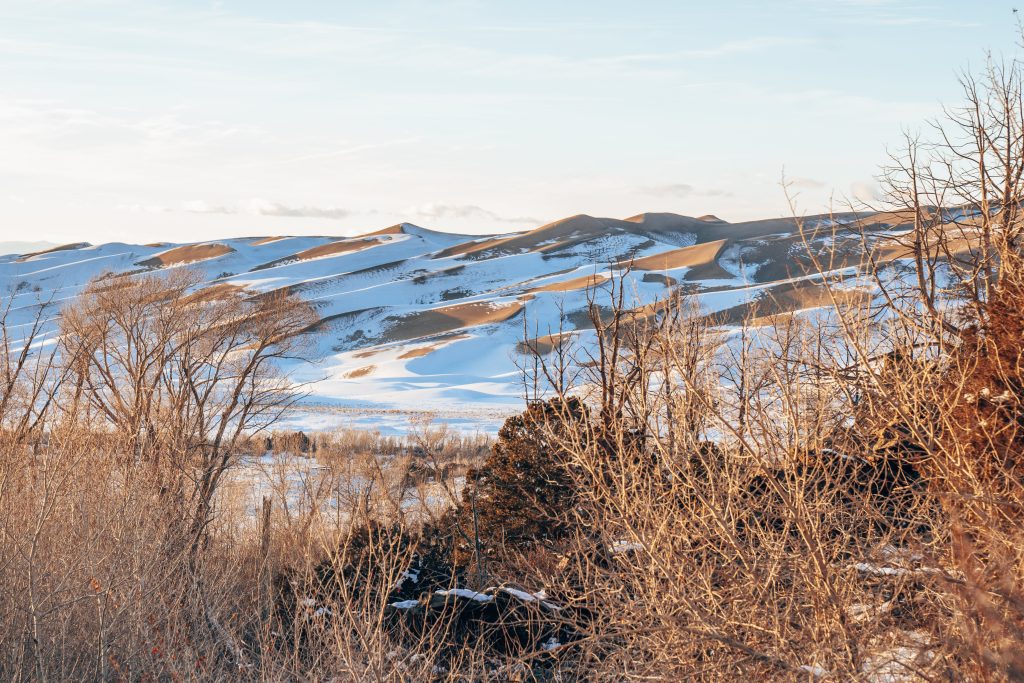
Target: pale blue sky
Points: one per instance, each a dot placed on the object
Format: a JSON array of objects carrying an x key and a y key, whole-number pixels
[{"x": 142, "y": 121}]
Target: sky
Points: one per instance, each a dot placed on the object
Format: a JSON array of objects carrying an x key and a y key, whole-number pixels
[{"x": 142, "y": 121}]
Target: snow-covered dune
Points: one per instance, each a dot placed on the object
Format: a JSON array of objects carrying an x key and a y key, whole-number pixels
[{"x": 426, "y": 320}]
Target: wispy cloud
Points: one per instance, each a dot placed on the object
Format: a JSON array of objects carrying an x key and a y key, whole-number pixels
[
  {"x": 805, "y": 183},
  {"x": 330, "y": 212},
  {"x": 889, "y": 13},
  {"x": 868, "y": 192},
  {"x": 682, "y": 191},
  {"x": 260, "y": 207},
  {"x": 339, "y": 152},
  {"x": 437, "y": 211},
  {"x": 724, "y": 49},
  {"x": 144, "y": 208},
  {"x": 733, "y": 47}
]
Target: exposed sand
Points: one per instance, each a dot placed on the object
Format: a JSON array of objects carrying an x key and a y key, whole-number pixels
[
  {"x": 571, "y": 284},
  {"x": 449, "y": 318},
  {"x": 215, "y": 291},
  {"x": 361, "y": 372},
  {"x": 544, "y": 344},
  {"x": 787, "y": 298},
  {"x": 259, "y": 242},
  {"x": 665, "y": 280},
  {"x": 187, "y": 254},
  {"x": 63, "y": 247},
  {"x": 391, "y": 230},
  {"x": 684, "y": 257},
  {"x": 958, "y": 244},
  {"x": 469, "y": 247},
  {"x": 552, "y": 236},
  {"x": 342, "y": 246},
  {"x": 421, "y": 351},
  {"x": 332, "y": 249}
]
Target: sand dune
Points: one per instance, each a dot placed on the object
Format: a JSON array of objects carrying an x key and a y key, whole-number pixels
[
  {"x": 334, "y": 248},
  {"x": 893, "y": 248},
  {"x": 51, "y": 250},
  {"x": 684, "y": 257},
  {"x": 420, "y": 351},
  {"x": 544, "y": 344},
  {"x": 342, "y": 246},
  {"x": 260, "y": 241},
  {"x": 190, "y": 253},
  {"x": 572, "y": 284},
  {"x": 396, "y": 306},
  {"x": 787, "y": 298},
  {"x": 390, "y": 230},
  {"x": 361, "y": 372},
  {"x": 554, "y": 235},
  {"x": 471, "y": 247},
  {"x": 448, "y": 318}
]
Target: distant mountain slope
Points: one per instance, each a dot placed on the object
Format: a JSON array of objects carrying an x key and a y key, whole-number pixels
[{"x": 419, "y": 318}]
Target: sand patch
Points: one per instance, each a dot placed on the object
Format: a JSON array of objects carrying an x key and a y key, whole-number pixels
[
  {"x": 449, "y": 318},
  {"x": 684, "y": 257},
  {"x": 260, "y": 241},
  {"x": 221, "y": 290},
  {"x": 343, "y": 246},
  {"x": 573, "y": 284},
  {"x": 393, "y": 230},
  {"x": 467, "y": 248},
  {"x": 658, "y": 278},
  {"x": 551, "y": 237},
  {"x": 63, "y": 247},
  {"x": 189, "y": 253},
  {"x": 333, "y": 249},
  {"x": 958, "y": 244},
  {"x": 543, "y": 345},
  {"x": 788, "y": 298},
  {"x": 421, "y": 351},
  {"x": 361, "y": 372}
]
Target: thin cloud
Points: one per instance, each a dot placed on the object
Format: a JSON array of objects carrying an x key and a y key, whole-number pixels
[
  {"x": 200, "y": 206},
  {"x": 867, "y": 192},
  {"x": 683, "y": 190},
  {"x": 260, "y": 207},
  {"x": 144, "y": 208},
  {"x": 332, "y": 154},
  {"x": 725, "y": 49},
  {"x": 805, "y": 183},
  {"x": 437, "y": 211},
  {"x": 733, "y": 47},
  {"x": 333, "y": 213},
  {"x": 889, "y": 13}
]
